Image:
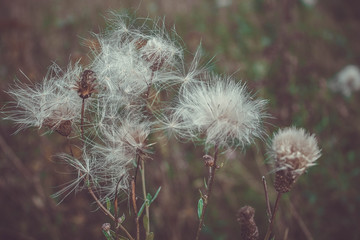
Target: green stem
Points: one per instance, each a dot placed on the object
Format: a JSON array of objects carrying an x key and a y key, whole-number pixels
[
  {"x": 108, "y": 213},
  {"x": 206, "y": 197},
  {"x": 145, "y": 199}
]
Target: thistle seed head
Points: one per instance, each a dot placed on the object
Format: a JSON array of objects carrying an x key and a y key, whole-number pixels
[
  {"x": 221, "y": 112},
  {"x": 293, "y": 152},
  {"x": 48, "y": 103}
]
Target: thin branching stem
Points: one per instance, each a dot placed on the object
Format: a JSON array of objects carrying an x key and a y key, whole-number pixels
[
  {"x": 269, "y": 229},
  {"x": 137, "y": 166},
  {"x": 82, "y": 118},
  {"x": 206, "y": 197},
  {"x": 116, "y": 206},
  {"x": 147, "y": 212},
  {"x": 108, "y": 213},
  {"x": 133, "y": 198},
  {"x": 268, "y": 208}
]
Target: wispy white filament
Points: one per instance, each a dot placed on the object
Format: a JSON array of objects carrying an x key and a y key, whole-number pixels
[{"x": 46, "y": 103}]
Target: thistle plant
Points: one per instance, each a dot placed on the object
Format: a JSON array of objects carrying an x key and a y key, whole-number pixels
[
  {"x": 110, "y": 108},
  {"x": 221, "y": 114},
  {"x": 293, "y": 151}
]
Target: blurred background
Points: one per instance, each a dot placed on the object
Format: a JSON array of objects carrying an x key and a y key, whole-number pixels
[{"x": 301, "y": 55}]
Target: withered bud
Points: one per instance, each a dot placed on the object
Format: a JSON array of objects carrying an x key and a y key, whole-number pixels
[
  {"x": 64, "y": 128},
  {"x": 85, "y": 85},
  {"x": 245, "y": 217},
  {"x": 106, "y": 227},
  {"x": 208, "y": 160}
]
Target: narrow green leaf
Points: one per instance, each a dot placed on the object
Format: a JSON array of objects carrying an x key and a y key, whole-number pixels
[
  {"x": 205, "y": 184},
  {"x": 108, "y": 204},
  {"x": 108, "y": 236},
  {"x": 148, "y": 198},
  {"x": 141, "y": 209},
  {"x": 200, "y": 207},
  {"x": 134, "y": 163},
  {"x": 122, "y": 218},
  {"x": 145, "y": 222},
  {"x": 156, "y": 194},
  {"x": 150, "y": 236}
]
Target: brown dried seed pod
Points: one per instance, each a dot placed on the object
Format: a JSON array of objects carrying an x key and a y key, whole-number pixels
[
  {"x": 284, "y": 181},
  {"x": 64, "y": 128},
  {"x": 208, "y": 160},
  {"x": 85, "y": 85},
  {"x": 245, "y": 217}
]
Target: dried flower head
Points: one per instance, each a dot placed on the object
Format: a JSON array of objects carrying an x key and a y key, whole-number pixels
[
  {"x": 131, "y": 60},
  {"x": 85, "y": 86},
  {"x": 220, "y": 111},
  {"x": 245, "y": 217},
  {"x": 293, "y": 152}
]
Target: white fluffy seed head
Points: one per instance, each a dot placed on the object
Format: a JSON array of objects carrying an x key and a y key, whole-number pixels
[
  {"x": 222, "y": 112},
  {"x": 121, "y": 140},
  {"x": 160, "y": 52},
  {"x": 293, "y": 151},
  {"x": 49, "y": 103},
  {"x": 129, "y": 60}
]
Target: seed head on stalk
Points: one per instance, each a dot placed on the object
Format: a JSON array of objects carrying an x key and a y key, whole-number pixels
[
  {"x": 52, "y": 103},
  {"x": 293, "y": 151},
  {"x": 221, "y": 112}
]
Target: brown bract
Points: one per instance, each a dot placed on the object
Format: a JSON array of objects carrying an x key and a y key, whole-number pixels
[
  {"x": 245, "y": 217},
  {"x": 85, "y": 85},
  {"x": 64, "y": 128}
]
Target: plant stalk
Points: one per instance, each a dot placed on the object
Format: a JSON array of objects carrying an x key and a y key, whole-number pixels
[
  {"x": 133, "y": 197},
  {"x": 269, "y": 229},
  {"x": 206, "y": 197},
  {"x": 147, "y": 212},
  {"x": 82, "y": 118},
  {"x": 268, "y": 208},
  {"x": 109, "y": 213}
]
